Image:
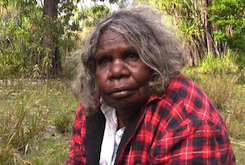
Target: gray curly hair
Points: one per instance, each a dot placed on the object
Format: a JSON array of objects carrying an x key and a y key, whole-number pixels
[{"x": 157, "y": 47}]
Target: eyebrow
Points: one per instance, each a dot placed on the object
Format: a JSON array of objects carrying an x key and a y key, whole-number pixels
[{"x": 128, "y": 48}]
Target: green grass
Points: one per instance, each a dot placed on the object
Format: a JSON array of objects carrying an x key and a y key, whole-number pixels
[
  {"x": 230, "y": 63},
  {"x": 35, "y": 122},
  {"x": 53, "y": 150}
]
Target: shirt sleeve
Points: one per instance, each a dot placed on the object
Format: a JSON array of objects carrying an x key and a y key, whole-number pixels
[
  {"x": 199, "y": 142},
  {"x": 77, "y": 149}
]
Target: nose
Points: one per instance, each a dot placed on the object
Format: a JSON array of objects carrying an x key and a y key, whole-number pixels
[{"x": 118, "y": 69}]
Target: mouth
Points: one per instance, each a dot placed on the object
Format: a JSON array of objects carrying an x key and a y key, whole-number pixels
[
  {"x": 121, "y": 92},
  {"x": 121, "y": 89}
]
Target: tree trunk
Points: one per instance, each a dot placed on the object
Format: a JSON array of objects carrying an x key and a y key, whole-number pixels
[
  {"x": 211, "y": 46},
  {"x": 207, "y": 27},
  {"x": 50, "y": 10}
]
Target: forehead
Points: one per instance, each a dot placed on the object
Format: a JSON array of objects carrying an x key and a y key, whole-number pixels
[
  {"x": 110, "y": 34},
  {"x": 112, "y": 40}
]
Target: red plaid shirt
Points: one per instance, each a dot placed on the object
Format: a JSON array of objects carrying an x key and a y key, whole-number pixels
[{"x": 181, "y": 127}]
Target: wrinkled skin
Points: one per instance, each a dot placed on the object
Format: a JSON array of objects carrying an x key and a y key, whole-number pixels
[{"x": 121, "y": 76}]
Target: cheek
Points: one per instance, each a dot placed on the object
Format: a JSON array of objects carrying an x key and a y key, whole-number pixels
[
  {"x": 100, "y": 81},
  {"x": 144, "y": 75}
]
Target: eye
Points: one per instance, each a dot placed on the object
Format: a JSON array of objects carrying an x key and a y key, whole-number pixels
[
  {"x": 132, "y": 55},
  {"x": 103, "y": 60}
]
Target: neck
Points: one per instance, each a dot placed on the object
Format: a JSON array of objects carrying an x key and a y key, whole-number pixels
[{"x": 124, "y": 116}]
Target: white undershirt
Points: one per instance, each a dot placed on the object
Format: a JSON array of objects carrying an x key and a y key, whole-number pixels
[{"x": 111, "y": 138}]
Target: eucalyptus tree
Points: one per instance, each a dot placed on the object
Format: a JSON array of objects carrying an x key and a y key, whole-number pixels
[
  {"x": 35, "y": 37},
  {"x": 62, "y": 21}
]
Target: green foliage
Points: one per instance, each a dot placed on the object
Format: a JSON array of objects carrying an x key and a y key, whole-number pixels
[
  {"x": 206, "y": 27},
  {"x": 224, "y": 64},
  {"x": 93, "y": 15},
  {"x": 232, "y": 63},
  {"x": 23, "y": 27},
  {"x": 240, "y": 60},
  {"x": 20, "y": 36},
  {"x": 188, "y": 29},
  {"x": 228, "y": 15},
  {"x": 187, "y": 17}
]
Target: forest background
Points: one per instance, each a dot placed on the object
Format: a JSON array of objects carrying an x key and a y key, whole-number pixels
[{"x": 39, "y": 49}]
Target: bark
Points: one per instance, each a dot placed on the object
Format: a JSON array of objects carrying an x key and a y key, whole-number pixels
[
  {"x": 206, "y": 26},
  {"x": 211, "y": 46},
  {"x": 50, "y": 9}
]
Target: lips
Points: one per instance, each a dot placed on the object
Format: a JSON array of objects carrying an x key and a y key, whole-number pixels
[
  {"x": 115, "y": 90},
  {"x": 121, "y": 92}
]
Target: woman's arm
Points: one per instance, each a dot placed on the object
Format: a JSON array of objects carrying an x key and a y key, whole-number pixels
[
  {"x": 77, "y": 149},
  {"x": 199, "y": 142}
]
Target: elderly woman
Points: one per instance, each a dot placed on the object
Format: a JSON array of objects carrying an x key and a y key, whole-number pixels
[{"x": 136, "y": 106}]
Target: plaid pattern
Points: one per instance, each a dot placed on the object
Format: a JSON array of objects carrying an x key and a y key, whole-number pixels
[{"x": 182, "y": 127}]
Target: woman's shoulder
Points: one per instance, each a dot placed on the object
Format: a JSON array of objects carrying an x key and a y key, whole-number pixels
[{"x": 184, "y": 101}]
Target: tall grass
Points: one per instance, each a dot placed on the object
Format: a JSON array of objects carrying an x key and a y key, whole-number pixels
[
  {"x": 31, "y": 114},
  {"x": 20, "y": 127},
  {"x": 224, "y": 64}
]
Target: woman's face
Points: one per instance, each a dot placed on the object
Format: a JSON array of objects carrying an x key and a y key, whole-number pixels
[{"x": 121, "y": 76}]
